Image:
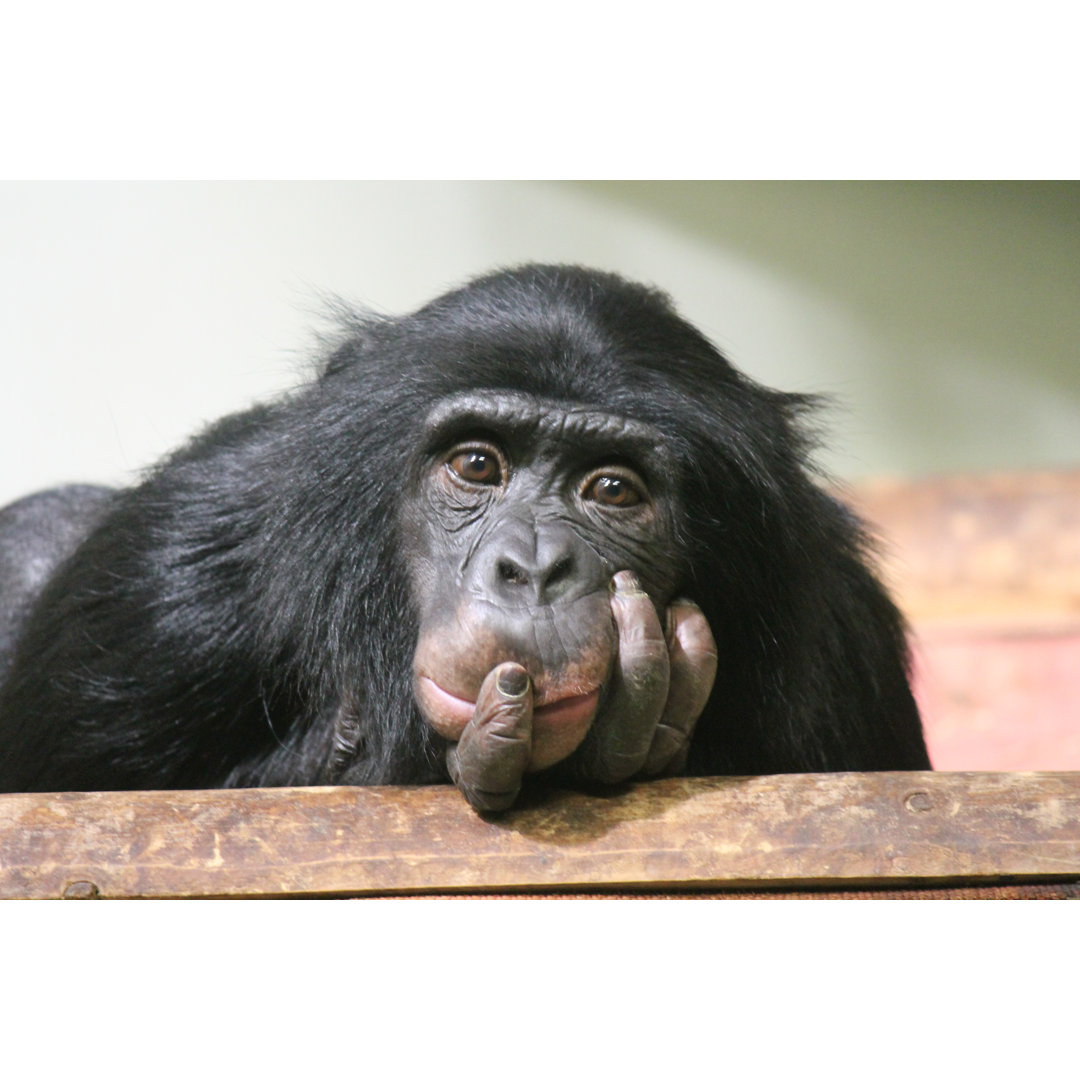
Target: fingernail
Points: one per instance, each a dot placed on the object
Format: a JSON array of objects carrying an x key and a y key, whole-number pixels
[
  {"x": 512, "y": 682},
  {"x": 626, "y": 581}
]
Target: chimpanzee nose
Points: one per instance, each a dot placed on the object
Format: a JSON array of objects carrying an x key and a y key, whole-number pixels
[
  {"x": 526, "y": 563},
  {"x": 542, "y": 576}
]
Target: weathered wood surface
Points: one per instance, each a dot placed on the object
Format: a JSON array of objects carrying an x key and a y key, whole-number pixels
[{"x": 834, "y": 831}]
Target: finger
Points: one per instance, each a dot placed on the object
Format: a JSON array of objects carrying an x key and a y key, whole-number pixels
[
  {"x": 488, "y": 762},
  {"x": 639, "y": 686},
  {"x": 693, "y": 655}
]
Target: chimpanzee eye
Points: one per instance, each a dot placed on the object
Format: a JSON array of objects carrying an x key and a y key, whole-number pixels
[
  {"x": 610, "y": 489},
  {"x": 477, "y": 466}
]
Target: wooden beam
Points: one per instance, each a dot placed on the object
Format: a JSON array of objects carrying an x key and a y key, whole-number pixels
[{"x": 832, "y": 831}]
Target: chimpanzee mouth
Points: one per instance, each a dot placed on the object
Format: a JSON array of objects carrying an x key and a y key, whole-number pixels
[
  {"x": 570, "y": 708},
  {"x": 449, "y": 713}
]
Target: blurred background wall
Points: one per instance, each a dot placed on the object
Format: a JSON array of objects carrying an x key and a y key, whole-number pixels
[{"x": 942, "y": 318}]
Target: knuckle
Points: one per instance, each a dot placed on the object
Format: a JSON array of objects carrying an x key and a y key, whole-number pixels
[
  {"x": 508, "y": 719},
  {"x": 503, "y": 718},
  {"x": 696, "y": 637},
  {"x": 687, "y": 623},
  {"x": 634, "y": 612}
]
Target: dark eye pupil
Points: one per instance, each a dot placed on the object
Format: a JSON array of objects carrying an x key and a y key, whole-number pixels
[
  {"x": 477, "y": 466},
  {"x": 610, "y": 488}
]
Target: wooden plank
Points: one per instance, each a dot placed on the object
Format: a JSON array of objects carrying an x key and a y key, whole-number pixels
[{"x": 837, "y": 830}]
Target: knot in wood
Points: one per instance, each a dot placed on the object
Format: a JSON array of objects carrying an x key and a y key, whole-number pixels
[
  {"x": 82, "y": 890},
  {"x": 918, "y": 802}
]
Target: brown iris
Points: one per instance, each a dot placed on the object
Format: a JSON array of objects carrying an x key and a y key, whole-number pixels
[
  {"x": 477, "y": 466},
  {"x": 611, "y": 490}
]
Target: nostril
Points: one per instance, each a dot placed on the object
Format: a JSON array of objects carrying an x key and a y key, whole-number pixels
[
  {"x": 510, "y": 573},
  {"x": 560, "y": 570}
]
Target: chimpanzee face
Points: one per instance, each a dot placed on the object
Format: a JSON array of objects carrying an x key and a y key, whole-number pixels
[{"x": 521, "y": 512}]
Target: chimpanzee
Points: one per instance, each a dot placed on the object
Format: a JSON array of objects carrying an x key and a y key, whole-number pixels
[{"x": 541, "y": 525}]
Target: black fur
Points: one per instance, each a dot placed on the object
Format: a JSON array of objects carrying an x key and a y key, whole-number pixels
[{"x": 243, "y": 616}]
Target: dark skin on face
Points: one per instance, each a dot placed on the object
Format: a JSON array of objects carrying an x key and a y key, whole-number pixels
[{"x": 545, "y": 568}]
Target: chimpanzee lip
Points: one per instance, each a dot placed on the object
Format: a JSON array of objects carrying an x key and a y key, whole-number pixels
[
  {"x": 572, "y": 704},
  {"x": 567, "y": 707}
]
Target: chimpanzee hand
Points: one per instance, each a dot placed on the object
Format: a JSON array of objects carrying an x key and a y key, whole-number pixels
[
  {"x": 489, "y": 760},
  {"x": 658, "y": 689}
]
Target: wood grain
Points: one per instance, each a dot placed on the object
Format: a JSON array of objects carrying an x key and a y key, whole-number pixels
[{"x": 844, "y": 830}]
